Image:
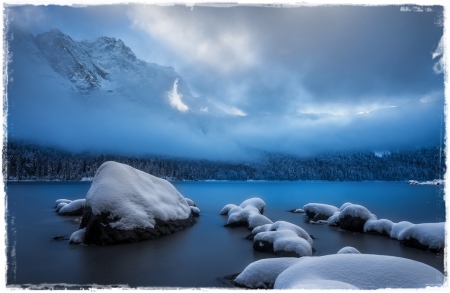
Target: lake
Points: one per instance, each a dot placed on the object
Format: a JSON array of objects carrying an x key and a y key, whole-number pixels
[{"x": 197, "y": 256}]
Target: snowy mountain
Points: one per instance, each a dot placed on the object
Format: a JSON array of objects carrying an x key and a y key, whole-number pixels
[{"x": 97, "y": 68}]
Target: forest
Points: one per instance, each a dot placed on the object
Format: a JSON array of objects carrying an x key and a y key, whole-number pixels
[{"x": 25, "y": 161}]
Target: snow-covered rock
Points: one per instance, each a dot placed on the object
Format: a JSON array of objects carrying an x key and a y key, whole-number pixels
[
  {"x": 195, "y": 211},
  {"x": 262, "y": 274},
  {"x": 77, "y": 237},
  {"x": 334, "y": 219},
  {"x": 283, "y": 239},
  {"x": 427, "y": 236},
  {"x": 128, "y": 205},
  {"x": 433, "y": 182},
  {"x": 382, "y": 227},
  {"x": 248, "y": 213},
  {"x": 346, "y": 270},
  {"x": 300, "y": 211},
  {"x": 58, "y": 201},
  {"x": 74, "y": 208},
  {"x": 353, "y": 217},
  {"x": 398, "y": 228},
  {"x": 319, "y": 211},
  {"x": 344, "y": 206},
  {"x": 348, "y": 249},
  {"x": 357, "y": 271},
  {"x": 190, "y": 202},
  {"x": 60, "y": 205}
]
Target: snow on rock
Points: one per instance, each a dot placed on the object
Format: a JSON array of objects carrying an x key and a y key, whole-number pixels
[
  {"x": 58, "y": 201},
  {"x": 334, "y": 219},
  {"x": 361, "y": 271},
  {"x": 348, "y": 249},
  {"x": 60, "y": 205},
  {"x": 227, "y": 208},
  {"x": 319, "y": 211},
  {"x": 74, "y": 208},
  {"x": 248, "y": 213},
  {"x": 434, "y": 182},
  {"x": 353, "y": 217},
  {"x": 427, "y": 236},
  {"x": 381, "y": 227},
  {"x": 298, "y": 211},
  {"x": 344, "y": 206},
  {"x": 255, "y": 202},
  {"x": 128, "y": 205},
  {"x": 398, "y": 228},
  {"x": 190, "y": 202},
  {"x": 262, "y": 274},
  {"x": 195, "y": 211},
  {"x": 77, "y": 237},
  {"x": 283, "y": 239}
]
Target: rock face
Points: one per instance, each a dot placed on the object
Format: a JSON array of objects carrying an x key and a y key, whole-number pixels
[
  {"x": 98, "y": 230},
  {"x": 127, "y": 205}
]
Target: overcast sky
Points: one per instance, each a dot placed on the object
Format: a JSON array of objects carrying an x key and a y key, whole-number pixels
[{"x": 316, "y": 77}]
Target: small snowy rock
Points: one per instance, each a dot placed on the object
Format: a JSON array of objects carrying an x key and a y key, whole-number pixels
[
  {"x": 348, "y": 249},
  {"x": 398, "y": 228},
  {"x": 382, "y": 227},
  {"x": 77, "y": 237},
  {"x": 353, "y": 217},
  {"x": 427, "y": 236},
  {"x": 74, "y": 208},
  {"x": 248, "y": 213},
  {"x": 319, "y": 211}
]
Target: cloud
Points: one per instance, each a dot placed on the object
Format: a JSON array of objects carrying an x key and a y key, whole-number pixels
[
  {"x": 175, "y": 98},
  {"x": 198, "y": 38}
]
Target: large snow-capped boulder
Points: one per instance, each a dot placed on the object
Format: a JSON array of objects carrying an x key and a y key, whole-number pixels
[
  {"x": 249, "y": 214},
  {"x": 128, "y": 205},
  {"x": 319, "y": 211},
  {"x": 427, "y": 236},
  {"x": 283, "y": 239}
]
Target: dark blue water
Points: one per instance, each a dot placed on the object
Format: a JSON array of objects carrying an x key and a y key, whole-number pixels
[{"x": 197, "y": 256}]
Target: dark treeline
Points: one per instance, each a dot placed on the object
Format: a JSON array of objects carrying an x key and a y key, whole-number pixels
[{"x": 22, "y": 161}]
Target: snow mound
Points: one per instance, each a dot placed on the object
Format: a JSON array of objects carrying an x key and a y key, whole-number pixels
[
  {"x": 77, "y": 237},
  {"x": 134, "y": 197},
  {"x": 348, "y": 249},
  {"x": 429, "y": 236},
  {"x": 58, "y": 201},
  {"x": 190, "y": 202},
  {"x": 319, "y": 211},
  {"x": 227, "y": 208},
  {"x": 262, "y": 274},
  {"x": 382, "y": 226},
  {"x": 248, "y": 213},
  {"x": 344, "y": 206},
  {"x": 353, "y": 217},
  {"x": 195, "y": 211},
  {"x": 73, "y": 208},
  {"x": 60, "y": 205},
  {"x": 398, "y": 228},
  {"x": 283, "y": 239},
  {"x": 255, "y": 202},
  {"x": 298, "y": 211},
  {"x": 334, "y": 219},
  {"x": 362, "y": 271}
]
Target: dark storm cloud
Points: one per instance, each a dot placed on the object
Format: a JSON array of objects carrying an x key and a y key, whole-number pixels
[{"x": 301, "y": 74}]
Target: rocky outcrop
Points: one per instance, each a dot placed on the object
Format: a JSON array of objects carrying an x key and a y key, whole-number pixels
[{"x": 99, "y": 232}]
